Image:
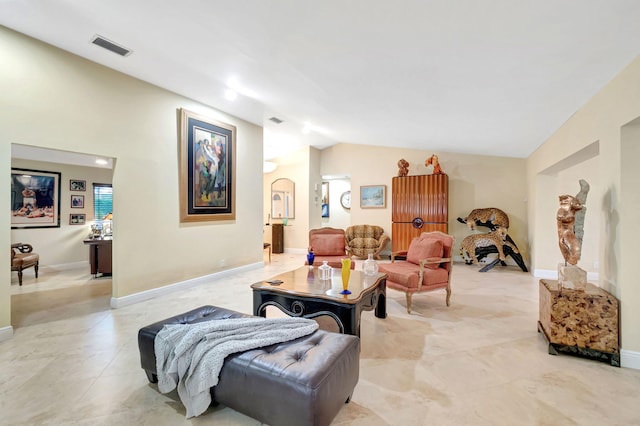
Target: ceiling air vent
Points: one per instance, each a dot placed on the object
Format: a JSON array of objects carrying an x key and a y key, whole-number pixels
[
  {"x": 110, "y": 46},
  {"x": 275, "y": 120}
]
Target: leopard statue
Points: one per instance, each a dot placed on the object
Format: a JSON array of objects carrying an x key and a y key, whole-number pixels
[
  {"x": 493, "y": 217},
  {"x": 494, "y": 238}
]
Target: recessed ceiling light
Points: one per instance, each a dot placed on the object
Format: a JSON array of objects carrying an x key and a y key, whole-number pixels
[
  {"x": 231, "y": 94},
  {"x": 235, "y": 85},
  {"x": 101, "y": 161},
  {"x": 269, "y": 166},
  {"x": 306, "y": 129}
]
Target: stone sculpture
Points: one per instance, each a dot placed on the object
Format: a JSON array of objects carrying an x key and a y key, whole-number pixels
[
  {"x": 581, "y": 196},
  {"x": 569, "y": 244}
]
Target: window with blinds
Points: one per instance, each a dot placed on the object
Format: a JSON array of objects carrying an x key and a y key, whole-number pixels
[{"x": 102, "y": 200}]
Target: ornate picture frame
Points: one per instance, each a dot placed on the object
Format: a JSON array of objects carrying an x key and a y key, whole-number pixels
[
  {"x": 207, "y": 169},
  {"x": 35, "y": 199},
  {"x": 373, "y": 197}
]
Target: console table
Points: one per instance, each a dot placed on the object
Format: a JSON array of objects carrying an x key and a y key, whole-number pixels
[
  {"x": 99, "y": 256},
  {"x": 583, "y": 323}
]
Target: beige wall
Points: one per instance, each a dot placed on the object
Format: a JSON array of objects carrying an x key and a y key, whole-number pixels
[
  {"x": 5, "y": 237},
  {"x": 56, "y": 100},
  {"x": 63, "y": 245},
  {"x": 296, "y": 167},
  {"x": 602, "y": 122},
  {"x": 339, "y": 217},
  {"x": 475, "y": 181}
]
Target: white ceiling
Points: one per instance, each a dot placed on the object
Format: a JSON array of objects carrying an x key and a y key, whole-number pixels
[{"x": 491, "y": 77}]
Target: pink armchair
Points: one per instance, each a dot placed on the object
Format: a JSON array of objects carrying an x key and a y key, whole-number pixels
[
  {"x": 427, "y": 267},
  {"x": 328, "y": 244}
]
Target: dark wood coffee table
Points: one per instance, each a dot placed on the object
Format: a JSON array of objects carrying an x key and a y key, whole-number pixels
[{"x": 302, "y": 294}]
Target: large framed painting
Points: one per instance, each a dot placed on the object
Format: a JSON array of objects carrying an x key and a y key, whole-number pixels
[
  {"x": 207, "y": 169},
  {"x": 373, "y": 197},
  {"x": 35, "y": 199}
]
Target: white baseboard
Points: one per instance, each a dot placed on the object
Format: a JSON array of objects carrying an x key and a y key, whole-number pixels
[
  {"x": 545, "y": 273},
  {"x": 6, "y": 333},
  {"x": 119, "y": 302},
  {"x": 629, "y": 359},
  {"x": 295, "y": 250},
  {"x": 553, "y": 275},
  {"x": 66, "y": 266}
]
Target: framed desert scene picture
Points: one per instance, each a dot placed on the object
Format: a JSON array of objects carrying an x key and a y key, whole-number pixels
[
  {"x": 207, "y": 169},
  {"x": 35, "y": 199}
]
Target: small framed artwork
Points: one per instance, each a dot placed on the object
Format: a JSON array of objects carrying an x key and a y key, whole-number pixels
[
  {"x": 325, "y": 199},
  {"x": 373, "y": 197},
  {"x": 77, "y": 185},
  {"x": 77, "y": 219},
  {"x": 77, "y": 201}
]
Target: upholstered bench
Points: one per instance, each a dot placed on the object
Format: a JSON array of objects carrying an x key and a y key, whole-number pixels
[{"x": 303, "y": 382}]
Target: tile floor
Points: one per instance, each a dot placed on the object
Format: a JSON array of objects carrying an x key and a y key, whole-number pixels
[{"x": 74, "y": 361}]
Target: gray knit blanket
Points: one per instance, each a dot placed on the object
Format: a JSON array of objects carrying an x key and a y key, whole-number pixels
[{"x": 190, "y": 356}]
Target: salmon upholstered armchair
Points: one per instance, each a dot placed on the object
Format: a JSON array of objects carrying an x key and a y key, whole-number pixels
[
  {"x": 328, "y": 244},
  {"x": 427, "y": 266},
  {"x": 363, "y": 240}
]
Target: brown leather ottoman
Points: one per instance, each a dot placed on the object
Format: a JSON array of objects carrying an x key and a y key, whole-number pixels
[{"x": 302, "y": 382}]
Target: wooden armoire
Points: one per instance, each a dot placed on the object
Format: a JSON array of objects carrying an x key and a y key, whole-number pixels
[{"x": 419, "y": 204}]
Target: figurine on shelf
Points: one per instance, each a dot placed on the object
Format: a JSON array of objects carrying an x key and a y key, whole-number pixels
[
  {"x": 433, "y": 161},
  {"x": 403, "y": 167}
]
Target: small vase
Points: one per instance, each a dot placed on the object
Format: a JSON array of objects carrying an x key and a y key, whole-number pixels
[
  {"x": 310, "y": 258},
  {"x": 370, "y": 266},
  {"x": 346, "y": 273},
  {"x": 325, "y": 271}
]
